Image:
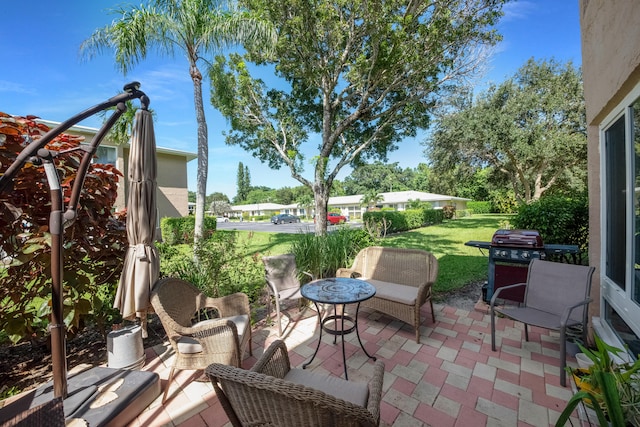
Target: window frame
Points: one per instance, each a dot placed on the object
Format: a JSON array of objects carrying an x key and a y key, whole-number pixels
[
  {"x": 621, "y": 300},
  {"x": 110, "y": 148}
]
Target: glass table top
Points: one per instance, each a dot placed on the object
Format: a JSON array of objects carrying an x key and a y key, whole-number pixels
[{"x": 338, "y": 290}]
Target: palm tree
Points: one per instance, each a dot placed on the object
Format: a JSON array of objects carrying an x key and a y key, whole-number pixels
[
  {"x": 194, "y": 27},
  {"x": 371, "y": 198},
  {"x": 121, "y": 131},
  {"x": 305, "y": 201}
]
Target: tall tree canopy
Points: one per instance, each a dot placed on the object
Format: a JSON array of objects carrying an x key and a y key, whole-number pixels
[
  {"x": 362, "y": 75},
  {"x": 243, "y": 183},
  {"x": 531, "y": 129},
  {"x": 197, "y": 28},
  {"x": 379, "y": 176}
]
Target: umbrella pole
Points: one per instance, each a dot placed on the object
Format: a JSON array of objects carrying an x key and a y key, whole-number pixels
[{"x": 56, "y": 326}]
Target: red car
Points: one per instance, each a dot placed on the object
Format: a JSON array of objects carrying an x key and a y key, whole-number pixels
[{"x": 335, "y": 218}]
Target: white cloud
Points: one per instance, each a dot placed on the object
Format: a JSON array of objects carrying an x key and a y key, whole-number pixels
[
  {"x": 518, "y": 10},
  {"x": 6, "y": 86}
]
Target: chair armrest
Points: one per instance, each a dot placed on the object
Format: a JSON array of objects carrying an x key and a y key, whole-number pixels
[
  {"x": 497, "y": 292},
  {"x": 375, "y": 390},
  {"x": 306, "y": 273},
  {"x": 229, "y": 305},
  {"x": 207, "y": 328},
  {"x": 424, "y": 292},
  {"x": 567, "y": 311},
  {"x": 347, "y": 272},
  {"x": 274, "y": 361}
]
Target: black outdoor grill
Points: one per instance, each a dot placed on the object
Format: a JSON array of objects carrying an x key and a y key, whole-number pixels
[{"x": 510, "y": 252}]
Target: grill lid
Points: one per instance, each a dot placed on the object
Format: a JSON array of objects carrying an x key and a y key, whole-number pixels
[{"x": 517, "y": 239}]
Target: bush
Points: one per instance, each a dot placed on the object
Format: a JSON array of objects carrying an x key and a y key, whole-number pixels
[
  {"x": 432, "y": 216},
  {"x": 449, "y": 212},
  {"x": 383, "y": 222},
  {"x": 323, "y": 255},
  {"x": 559, "y": 220},
  {"x": 503, "y": 202},
  {"x": 94, "y": 244},
  {"x": 221, "y": 267},
  {"x": 478, "y": 207},
  {"x": 176, "y": 231}
]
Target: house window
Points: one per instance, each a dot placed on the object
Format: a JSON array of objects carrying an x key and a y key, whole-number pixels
[
  {"x": 106, "y": 155},
  {"x": 354, "y": 212},
  {"x": 615, "y": 202},
  {"x": 620, "y": 139}
]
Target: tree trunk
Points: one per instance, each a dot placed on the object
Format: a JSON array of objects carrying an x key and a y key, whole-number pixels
[
  {"x": 321, "y": 198},
  {"x": 203, "y": 153}
]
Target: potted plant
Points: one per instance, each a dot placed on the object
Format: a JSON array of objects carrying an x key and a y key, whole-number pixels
[{"x": 612, "y": 388}]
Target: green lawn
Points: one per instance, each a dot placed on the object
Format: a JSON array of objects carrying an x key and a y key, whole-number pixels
[{"x": 458, "y": 264}]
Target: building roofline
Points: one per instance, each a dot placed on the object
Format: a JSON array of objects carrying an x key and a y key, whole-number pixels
[
  {"x": 390, "y": 197},
  {"x": 78, "y": 128}
]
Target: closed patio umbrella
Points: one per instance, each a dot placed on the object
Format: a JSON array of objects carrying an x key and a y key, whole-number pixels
[{"x": 141, "y": 263}]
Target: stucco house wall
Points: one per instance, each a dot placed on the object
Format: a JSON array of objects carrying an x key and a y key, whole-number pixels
[
  {"x": 610, "y": 31},
  {"x": 172, "y": 193}
]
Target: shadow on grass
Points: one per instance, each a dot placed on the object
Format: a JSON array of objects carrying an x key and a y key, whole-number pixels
[{"x": 455, "y": 271}]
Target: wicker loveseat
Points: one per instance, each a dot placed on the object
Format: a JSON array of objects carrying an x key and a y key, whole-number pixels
[{"x": 403, "y": 279}]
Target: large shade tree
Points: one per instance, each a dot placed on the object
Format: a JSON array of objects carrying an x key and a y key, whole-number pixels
[
  {"x": 362, "y": 75},
  {"x": 530, "y": 129},
  {"x": 379, "y": 176},
  {"x": 198, "y": 29}
]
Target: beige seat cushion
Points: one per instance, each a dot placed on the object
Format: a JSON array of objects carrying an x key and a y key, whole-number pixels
[
  {"x": 351, "y": 391},
  {"x": 394, "y": 292},
  {"x": 291, "y": 293},
  {"x": 189, "y": 345}
]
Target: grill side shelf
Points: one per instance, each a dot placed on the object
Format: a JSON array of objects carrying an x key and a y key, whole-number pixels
[{"x": 478, "y": 244}]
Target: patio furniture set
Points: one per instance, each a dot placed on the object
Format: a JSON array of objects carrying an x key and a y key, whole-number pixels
[{"x": 396, "y": 282}]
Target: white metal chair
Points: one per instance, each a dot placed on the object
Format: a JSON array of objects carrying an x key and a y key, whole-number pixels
[{"x": 283, "y": 283}]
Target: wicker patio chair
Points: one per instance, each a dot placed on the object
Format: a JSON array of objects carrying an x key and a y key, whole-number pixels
[
  {"x": 274, "y": 394},
  {"x": 556, "y": 298},
  {"x": 281, "y": 275},
  {"x": 50, "y": 414},
  {"x": 197, "y": 343}
]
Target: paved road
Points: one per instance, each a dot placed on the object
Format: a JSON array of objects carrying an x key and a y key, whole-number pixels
[{"x": 302, "y": 227}]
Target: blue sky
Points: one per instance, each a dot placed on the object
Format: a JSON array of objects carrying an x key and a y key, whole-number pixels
[{"x": 43, "y": 75}]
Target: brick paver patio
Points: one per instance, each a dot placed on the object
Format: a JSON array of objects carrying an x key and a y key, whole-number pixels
[{"x": 452, "y": 378}]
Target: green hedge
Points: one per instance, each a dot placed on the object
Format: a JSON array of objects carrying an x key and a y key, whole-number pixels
[
  {"x": 559, "y": 220},
  {"x": 478, "y": 207},
  {"x": 432, "y": 216},
  {"x": 397, "y": 221},
  {"x": 180, "y": 230}
]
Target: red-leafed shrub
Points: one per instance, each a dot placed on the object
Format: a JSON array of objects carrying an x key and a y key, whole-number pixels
[{"x": 94, "y": 245}]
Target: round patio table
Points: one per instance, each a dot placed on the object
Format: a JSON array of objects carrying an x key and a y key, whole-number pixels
[{"x": 338, "y": 291}]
